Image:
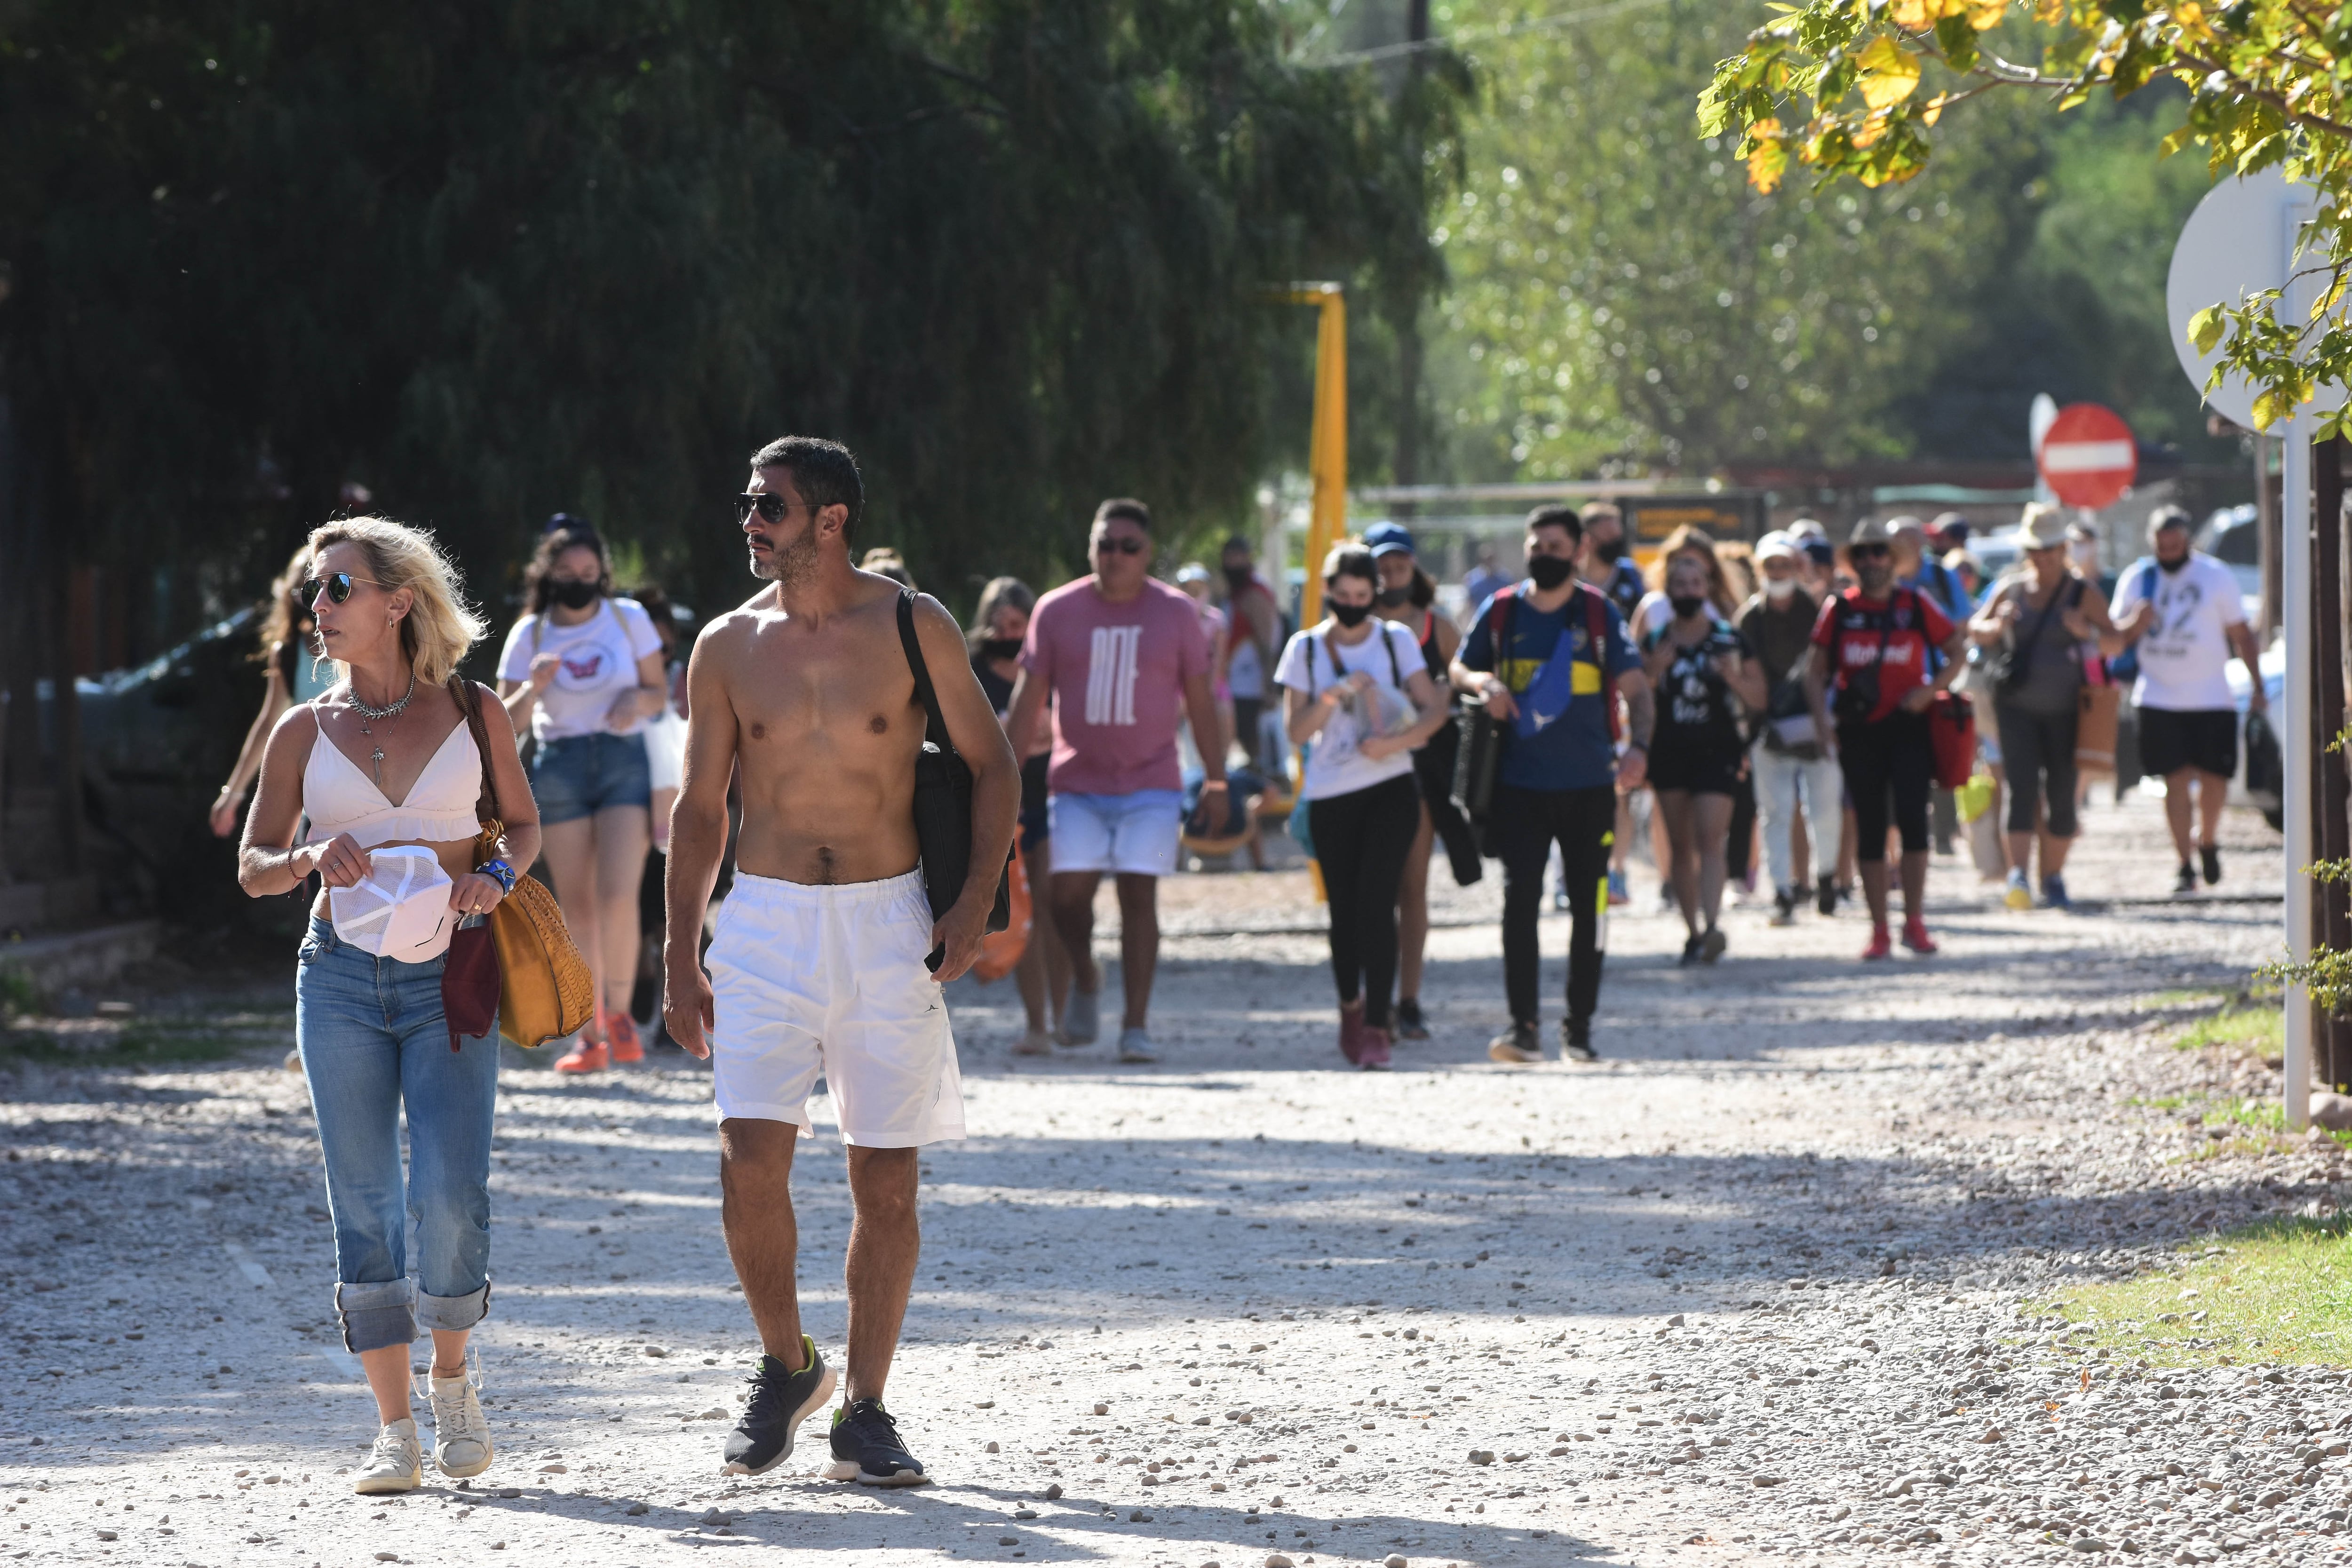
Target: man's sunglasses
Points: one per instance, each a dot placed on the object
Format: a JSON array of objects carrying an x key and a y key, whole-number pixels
[
  {"x": 770, "y": 507},
  {"x": 336, "y": 586},
  {"x": 1125, "y": 544},
  {"x": 1867, "y": 551}
]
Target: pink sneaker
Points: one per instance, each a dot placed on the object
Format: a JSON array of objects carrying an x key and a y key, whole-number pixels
[
  {"x": 1351, "y": 1034},
  {"x": 1372, "y": 1050},
  {"x": 1916, "y": 937},
  {"x": 1881, "y": 944}
]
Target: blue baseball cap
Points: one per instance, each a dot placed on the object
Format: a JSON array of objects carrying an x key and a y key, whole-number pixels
[{"x": 1383, "y": 538}]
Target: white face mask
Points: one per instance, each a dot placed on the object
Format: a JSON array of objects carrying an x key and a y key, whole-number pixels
[{"x": 1778, "y": 588}]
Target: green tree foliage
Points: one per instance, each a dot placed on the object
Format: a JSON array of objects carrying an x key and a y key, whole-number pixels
[
  {"x": 1861, "y": 91},
  {"x": 1622, "y": 299},
  {"x": 494, "y": 259}
]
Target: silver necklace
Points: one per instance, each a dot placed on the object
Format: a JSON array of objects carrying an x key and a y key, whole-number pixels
[{"x": 369, "y": 716}]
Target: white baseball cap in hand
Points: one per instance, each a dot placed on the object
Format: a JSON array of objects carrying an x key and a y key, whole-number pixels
[{"x": 401, "y": 910}]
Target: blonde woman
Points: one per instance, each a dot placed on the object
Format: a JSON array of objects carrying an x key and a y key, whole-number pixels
[{"x": 386, "y": 760}]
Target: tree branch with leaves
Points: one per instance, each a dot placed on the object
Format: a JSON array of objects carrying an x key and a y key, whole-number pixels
[{"x": 1854, "y": 89}]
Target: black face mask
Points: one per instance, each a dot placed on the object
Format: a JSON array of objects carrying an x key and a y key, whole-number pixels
[
  {"x": 1237, "y": 577},
  {"x": 1688, "y": 605},
  {"x": 1390, "y": 598},
  {"x": 1349, "y": 614},
  {"x": 572, "y": 594},
  {"x": 1000, "y": 647},
  {"x": 1551, "y": 571},
  {"x": 1608, "y": 553},
  {"x": 2170, "y": 566}
]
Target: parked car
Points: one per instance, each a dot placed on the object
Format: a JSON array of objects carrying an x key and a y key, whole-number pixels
[{"x": 2230, "y": 537}]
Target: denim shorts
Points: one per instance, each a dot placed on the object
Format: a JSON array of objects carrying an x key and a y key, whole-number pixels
[{"x": 581, "y": 775}]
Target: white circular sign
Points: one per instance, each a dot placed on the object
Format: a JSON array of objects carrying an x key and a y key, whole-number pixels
[{"x": 2239, "y": 241}]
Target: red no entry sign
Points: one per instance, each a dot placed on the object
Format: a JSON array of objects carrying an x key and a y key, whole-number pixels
[{"x": 2088, "y": 458}]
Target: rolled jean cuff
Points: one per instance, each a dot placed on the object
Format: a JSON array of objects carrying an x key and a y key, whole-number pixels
[
  {"x": 376, "y": 1315},
  {"x": 453, "y": 1312}
]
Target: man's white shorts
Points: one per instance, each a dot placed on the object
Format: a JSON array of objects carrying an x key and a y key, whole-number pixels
[
  {"x": 1131, "y": 833},
  {"x": 831, "y": 980}
]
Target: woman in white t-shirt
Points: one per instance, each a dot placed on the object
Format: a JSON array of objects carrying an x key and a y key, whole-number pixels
[
  {"x": 584, "y": 670},
  {"x": 1356, "y": 688}
]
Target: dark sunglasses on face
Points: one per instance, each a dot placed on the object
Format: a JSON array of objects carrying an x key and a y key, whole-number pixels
[
  {"x": 768, "y": 505},
  {"x": 1867, "y": 551},
  {"x": 1126, "y": 546},
  {"x": 337, "y": 587}
]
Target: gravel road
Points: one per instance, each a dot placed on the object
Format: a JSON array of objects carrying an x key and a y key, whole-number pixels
[{"x": 1768, "y": 1283}]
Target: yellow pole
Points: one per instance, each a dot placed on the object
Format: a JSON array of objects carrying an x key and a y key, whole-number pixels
[
  {"x": 1327, "y": 461},
  {"x": 1327, "y": 452}
]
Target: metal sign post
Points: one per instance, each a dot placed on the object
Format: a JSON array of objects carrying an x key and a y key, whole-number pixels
[{"x": 2295, "y": 544}]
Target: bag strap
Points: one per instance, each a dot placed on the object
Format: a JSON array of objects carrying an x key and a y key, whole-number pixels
[
  {"x": 469, "y": 702},
  {"x": 937, "y": 732},
  {"x": 1596, "y": 634},
  {"x": 1396, "y": 670}
]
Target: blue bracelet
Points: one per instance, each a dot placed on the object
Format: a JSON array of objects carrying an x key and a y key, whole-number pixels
[{"x": 499, "y": 872}]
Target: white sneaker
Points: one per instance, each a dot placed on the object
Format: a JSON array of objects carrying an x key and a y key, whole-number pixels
[
  {"x": 396, "y": 1462},
  {"x": 1034, "y": 1043},
  {"x": 461, "y": 1438},
  {"x": 1135, "y": 1046}
]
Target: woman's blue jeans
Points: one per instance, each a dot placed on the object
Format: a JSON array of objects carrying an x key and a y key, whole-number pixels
[{"x": 373, "y": 1041}]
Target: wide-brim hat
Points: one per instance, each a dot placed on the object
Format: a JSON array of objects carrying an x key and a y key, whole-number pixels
[
  {"x": 2043, "y": 526},
  {"x": 1871, "y": 531}
]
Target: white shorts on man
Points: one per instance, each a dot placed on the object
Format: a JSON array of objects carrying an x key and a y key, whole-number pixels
[{"x": 831, "y": 980}]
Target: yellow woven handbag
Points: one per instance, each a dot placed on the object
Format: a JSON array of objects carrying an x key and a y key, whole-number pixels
[{"x": 545, "y": 990}]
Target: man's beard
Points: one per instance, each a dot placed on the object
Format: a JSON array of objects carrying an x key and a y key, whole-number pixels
[{"x": 789, "y": 563}]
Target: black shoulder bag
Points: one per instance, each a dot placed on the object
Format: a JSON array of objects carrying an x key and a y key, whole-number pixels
[
  {"x": 1479, "y": 755},
  {"x": 943, "y": 801}
]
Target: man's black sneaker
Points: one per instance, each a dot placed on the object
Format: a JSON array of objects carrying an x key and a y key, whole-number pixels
[
  {"x": 2186, "y": 882},
  {"x": 1410, "y": 1023},
  {"x": 1691, "y": 952},
  {"x": 779, "y": 1402},
  {"x": 1825, "y": 897},
  {"x": 1576, "y": 1040},
  {"x": 1784, "y": 907},
  {"x": 865, "y": 1448},
  {"x": 2211, "y": 854},
  {"x": 1515, "y": 1043}
]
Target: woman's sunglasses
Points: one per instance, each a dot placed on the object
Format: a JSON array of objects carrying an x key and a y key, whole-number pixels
[
  {"x": 336, "y": 586},
  {"x": 1126, "y": 544},
  {"x": 768, "y": 504}
]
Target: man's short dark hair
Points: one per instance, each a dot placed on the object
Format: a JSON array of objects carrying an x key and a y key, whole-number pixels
[
  {"x": 2166, "y": 517},
  {"x": 823, "y": 472},
  {"x": 1561, "y": 517},
  {"x": 1237, "y": 543},
  {"x": 1135, "y": 511},
  {"x": 1592, "y": 509}
]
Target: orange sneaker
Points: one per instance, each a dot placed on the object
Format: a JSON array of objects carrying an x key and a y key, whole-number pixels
[
  {"x": 587, "y": 1056},
  {"x": 621, "y": 1032}
]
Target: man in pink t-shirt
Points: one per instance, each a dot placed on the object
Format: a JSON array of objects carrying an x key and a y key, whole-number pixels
[{"x": 1125, "y": 661}]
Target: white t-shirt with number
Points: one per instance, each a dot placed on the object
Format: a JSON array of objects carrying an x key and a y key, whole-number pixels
[
  {"x": 1335, "y": 763},
  {"x": 2184, "y": 657},
  {"x": 598, "y": 661}
]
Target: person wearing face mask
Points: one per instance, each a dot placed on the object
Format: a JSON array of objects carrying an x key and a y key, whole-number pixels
[
  {"x": 1356, "y": 687},
  {"x": 1408, "y": 596},
  {"x": 582, "y": 669},
  {"x": 1695, "y": 662},
  {"x": 1550, "y": 659},
  {"x": 2180, "y": 610},
  {"x": 1798, "y": 785},
  {"x": 1873, "y": 643},
  {"x": 999, "y": 628}
]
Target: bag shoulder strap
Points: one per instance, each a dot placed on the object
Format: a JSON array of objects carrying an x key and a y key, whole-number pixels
[
  {"x": 937, "y": 732},
  {"x": 1596, "y": 632},
  {"x": 467, "y": 696},
  {"x": 1388, "y": 638}
]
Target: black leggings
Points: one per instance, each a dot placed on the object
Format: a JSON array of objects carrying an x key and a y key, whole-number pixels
[
  {"x": 1361, "y": 840},
  {"x": 1524, "y": 825},
  {"x": 1892, "y": 756},
  {"x": 2037, "y": 753}
]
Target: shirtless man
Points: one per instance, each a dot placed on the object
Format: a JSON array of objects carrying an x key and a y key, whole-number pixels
[{"x": 818, "y": 960}]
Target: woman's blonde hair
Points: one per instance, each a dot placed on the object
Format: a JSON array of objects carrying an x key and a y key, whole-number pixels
[
  {"x": 1690, "y": 539},
  {"x": 438, "y": 627}
]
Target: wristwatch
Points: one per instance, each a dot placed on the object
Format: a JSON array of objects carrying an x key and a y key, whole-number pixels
[{"x": 499, "y": 872}]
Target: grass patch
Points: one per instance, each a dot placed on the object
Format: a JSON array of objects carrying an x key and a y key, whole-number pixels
[
  {"x": 2279, "y": 1291},
  {"x": 2193, "y": 996},
  {"x": 2253, "y": 1023}
]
